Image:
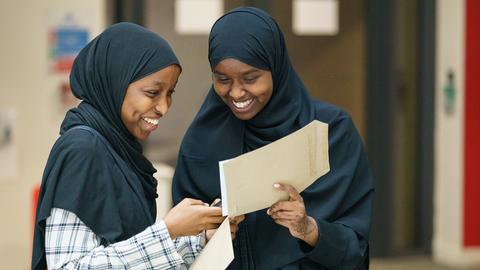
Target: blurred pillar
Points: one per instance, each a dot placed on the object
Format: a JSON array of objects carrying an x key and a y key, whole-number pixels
[
  {"x": 425, "y": 124},
  {"x": 400, "y": 105},
  {"x": 262, "y": 4},
  {"x": 127, "y": 11},
  {"x": 379, "y": 124}
]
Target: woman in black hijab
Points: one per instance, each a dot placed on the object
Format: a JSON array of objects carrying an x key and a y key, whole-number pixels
[
  {"x": 96, "y": 207},
  {"x": 257, "y": 98}
]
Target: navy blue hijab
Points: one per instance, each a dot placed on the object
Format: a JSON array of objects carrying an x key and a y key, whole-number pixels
[
  {"x": 103, "y": 176},
  {"x": 340, "y": 202}
]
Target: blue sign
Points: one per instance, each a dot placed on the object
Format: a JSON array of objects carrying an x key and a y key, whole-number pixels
[{"x": 69, "y": 41}]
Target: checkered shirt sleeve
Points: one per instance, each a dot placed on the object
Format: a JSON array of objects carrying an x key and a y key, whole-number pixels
[{"x": 70, "y": 244}]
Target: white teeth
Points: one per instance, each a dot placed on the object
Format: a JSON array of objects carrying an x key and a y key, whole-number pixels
[
  {"x": 242, "y": 104},
  {"x": 151, "y": 121}
]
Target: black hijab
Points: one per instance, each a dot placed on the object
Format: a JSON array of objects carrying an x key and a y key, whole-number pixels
[
  {"x": 340, "y": 201},
  {"x": 106, "y": 182}
]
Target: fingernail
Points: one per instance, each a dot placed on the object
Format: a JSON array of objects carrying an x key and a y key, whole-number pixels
[{"x": 276, "y": 185}]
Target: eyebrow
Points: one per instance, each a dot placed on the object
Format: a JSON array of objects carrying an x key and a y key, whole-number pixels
[
  {"x": 158, "y": 82},
  {"x": 252, "y": 70}
]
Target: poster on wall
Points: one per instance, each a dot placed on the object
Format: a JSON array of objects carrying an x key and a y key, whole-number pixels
[
  {"x": 68, "y": 32},
  {"x": 8, "y": 151}
]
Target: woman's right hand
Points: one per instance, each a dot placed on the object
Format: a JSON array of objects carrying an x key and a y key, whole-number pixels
[{"x": 190, "y": 217}]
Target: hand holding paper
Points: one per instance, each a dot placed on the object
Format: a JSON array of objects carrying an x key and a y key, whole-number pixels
[
  {"x": 234, "y": 222},
  {"x": 293, "y": 215}
]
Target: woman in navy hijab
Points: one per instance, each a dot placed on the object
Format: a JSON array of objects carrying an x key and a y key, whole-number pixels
[
  {"x": 257, "y": 98},
  {"x": 96, "y": 208}
]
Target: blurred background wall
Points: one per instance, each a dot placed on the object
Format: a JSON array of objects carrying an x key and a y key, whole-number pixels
[
  {"x": 31, "y": 92},
  {"x": 399, "y": 67}
]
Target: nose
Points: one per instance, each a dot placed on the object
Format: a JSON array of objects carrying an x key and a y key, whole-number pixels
[
  {"x": 237, "y": 91},
  {"x": 162, "y": 106}
]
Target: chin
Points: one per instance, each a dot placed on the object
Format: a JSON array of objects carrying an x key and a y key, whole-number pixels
[
  {"x": 141, "y": 137},
  {"x": 244, "y": 117}
]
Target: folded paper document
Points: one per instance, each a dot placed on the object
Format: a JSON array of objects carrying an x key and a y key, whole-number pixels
[
  {"x": 218, "y": 253},
  {"x": 297, "y": 159}
]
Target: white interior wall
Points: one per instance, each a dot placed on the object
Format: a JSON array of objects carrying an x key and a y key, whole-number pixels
[
  {"x": 449, "y": 132},
  {"x": 29, "y": 90}
]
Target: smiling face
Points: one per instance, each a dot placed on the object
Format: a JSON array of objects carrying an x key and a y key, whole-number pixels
[
  {"x": 147, "y": 100},
  {"x": 244, "y": 88}
]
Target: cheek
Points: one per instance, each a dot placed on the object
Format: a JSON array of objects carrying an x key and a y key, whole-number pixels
[
  {"x": 125, "y": 113},
  {"x": 133, "y": 111},
  {"x": 220, "y": 89},
  {"x": 268, "y": 95},
  {"x": 263, "y": 89},
  {"x": 263, "y": 93}
]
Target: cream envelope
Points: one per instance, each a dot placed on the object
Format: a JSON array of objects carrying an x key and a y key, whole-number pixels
[
  {"x": 218, "y": 253},
  {"x": 297, "y": 159}
]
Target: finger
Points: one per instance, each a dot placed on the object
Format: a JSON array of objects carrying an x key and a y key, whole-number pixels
[
  {"x": 217, "y": 211},
  {"x": 191, "y": 201},
  {"x": 207, "y": 223},
  {"x": 239, "y": 219},
  {"x": 233, "y": 228},
  {"x": 215, "y": 219},
  {"x": 212, "y": 223},
  {"x": 211, "y": 226},
  {"x": 277, "y": 217},
  {"x": 210, "y": 233},
  {"x": 290, "y": 190},
  {"x": 232, "y": 221},
  {"x": 211, "y": 211},
  {"x": 284, "y": 206},
  {"x": 286, "y": 215}
]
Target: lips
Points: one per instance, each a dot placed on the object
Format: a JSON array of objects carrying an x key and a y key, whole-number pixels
[
  {"x": 242, "y": 106},
  {"x": 152, "y": 123}
]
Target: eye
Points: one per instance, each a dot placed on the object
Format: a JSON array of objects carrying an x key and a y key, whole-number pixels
[
  {"x": 151, "y": 93},
  {"x": 222, "y": 79},
  {"x": 250, "y": 79},
  {"x": 170, "y": 93}
]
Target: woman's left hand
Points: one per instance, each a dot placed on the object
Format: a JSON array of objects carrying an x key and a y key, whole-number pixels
[
  {"x": 292, "y": 215},
  {"x": 234, "y": 221}
]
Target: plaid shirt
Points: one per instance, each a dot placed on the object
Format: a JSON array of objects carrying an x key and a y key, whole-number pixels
[{"x": 70, "y": 244}]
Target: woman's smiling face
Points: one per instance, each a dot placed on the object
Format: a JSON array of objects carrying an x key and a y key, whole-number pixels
[
  {"x": 147, "y": 100},
  {"x": 244, "y": 88}
]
